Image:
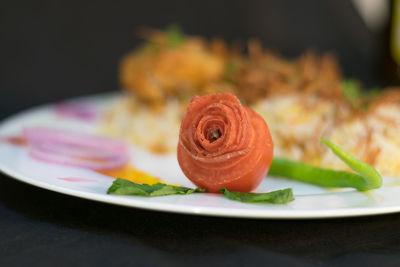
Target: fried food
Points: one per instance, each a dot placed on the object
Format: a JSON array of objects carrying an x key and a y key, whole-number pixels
[
  {"x": 162, "y": 68},
  {"x": 302, "y": 99}
]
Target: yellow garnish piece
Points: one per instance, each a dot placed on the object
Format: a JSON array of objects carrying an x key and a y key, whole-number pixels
[{"x": 132, "y": 174}]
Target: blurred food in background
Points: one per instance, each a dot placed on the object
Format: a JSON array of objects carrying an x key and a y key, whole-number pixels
[
  {"x": 302, "y": 99},
  {"x": 170, "y": 65}
]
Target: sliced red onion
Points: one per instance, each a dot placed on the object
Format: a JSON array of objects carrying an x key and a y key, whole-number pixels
[
  {"x": 78, "y": 162},
  {"x": 76, "y": 110},
  {"x": 41, "y": 134},
  {"x": 74, "y": 149}
]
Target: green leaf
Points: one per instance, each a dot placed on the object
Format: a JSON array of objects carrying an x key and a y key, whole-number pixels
[
  {"x": 175, "y": 36},
  {"x": 125, "y": 187},
  {"x": 276, "y": 197},
  {"x": 230, "y": 69},
  {"x": 352, "y": 91},
  {"x": 359, "y": 98}
]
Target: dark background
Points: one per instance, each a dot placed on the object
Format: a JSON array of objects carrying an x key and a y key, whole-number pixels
[{"x": 51, "y": 50}]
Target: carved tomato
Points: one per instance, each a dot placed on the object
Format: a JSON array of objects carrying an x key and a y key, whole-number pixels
[{"x": 224, "y": 144}]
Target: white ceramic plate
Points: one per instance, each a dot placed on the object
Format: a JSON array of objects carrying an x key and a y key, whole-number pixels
[{"x": 310, "y": 201}]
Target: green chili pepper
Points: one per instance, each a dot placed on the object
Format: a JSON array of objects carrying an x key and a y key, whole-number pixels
[{"x": 366, "y": 177}]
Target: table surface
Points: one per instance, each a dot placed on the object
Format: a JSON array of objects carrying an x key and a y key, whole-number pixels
[{"x": 50, "y": 229}]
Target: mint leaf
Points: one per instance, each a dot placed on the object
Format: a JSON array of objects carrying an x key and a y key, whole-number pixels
[
  {"x": 276, "y": 197},
  {"x": 125, "y": 187}
]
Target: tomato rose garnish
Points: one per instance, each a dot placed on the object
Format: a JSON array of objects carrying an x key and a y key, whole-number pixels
[{"x": 224, "y": 144}]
